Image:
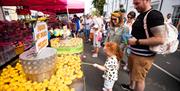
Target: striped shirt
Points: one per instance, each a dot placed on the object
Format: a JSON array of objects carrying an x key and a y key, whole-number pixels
[{"x": 154, "y": 18}]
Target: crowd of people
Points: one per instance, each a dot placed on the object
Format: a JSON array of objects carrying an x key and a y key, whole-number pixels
[{"x": 126, "y": 44}]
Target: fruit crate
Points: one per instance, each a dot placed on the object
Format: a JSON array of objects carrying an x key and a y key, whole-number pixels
[{"x": 19, "y": 49}]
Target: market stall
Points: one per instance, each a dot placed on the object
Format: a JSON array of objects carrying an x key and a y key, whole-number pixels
[
  {"x": 42, "y": 69},
  {"x": 71, "y": 6},
  {"x": 32, "y": 2}
]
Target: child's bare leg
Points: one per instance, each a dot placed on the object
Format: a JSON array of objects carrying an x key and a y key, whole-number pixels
[
  {"x": 105, "y": 89},
  {"x": 109, "y": 89},
  {"x": 96, "y": 50}
]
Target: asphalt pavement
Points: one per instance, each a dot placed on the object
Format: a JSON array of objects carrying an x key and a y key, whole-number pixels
[
  {"x": 157, "y": 80},
  {"x": 170, "y": 63}
]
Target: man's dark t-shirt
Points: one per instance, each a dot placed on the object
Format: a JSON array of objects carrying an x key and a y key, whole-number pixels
[{"x": 154, "y": 18}]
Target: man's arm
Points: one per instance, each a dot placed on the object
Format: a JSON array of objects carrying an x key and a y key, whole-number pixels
[
  {"x": 157, "y": 28},
  {"x": 158, "y": 37}
]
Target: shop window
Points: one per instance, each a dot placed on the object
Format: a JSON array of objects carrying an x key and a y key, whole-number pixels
[
  {"x": 176, "y": 15},
  {"x": 155, "y": 6}
]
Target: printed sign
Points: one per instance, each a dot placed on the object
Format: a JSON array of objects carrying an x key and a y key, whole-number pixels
[{"x": 40, "y": 36}]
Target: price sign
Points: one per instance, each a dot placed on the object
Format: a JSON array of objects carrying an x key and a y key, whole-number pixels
[{"x": 40, "y": 36}]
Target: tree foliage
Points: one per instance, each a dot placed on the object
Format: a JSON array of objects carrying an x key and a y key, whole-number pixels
[{"x": 99, "y": 5}]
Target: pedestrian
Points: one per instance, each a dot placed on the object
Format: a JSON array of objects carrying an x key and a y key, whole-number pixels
[
  {"x": 72, "y": 27},
  {"x": 111, "y": 65},
  {"x": 123, "y": 12},
  {"x": 98, "y": 20},
  {"x": 96, "y": 41},
  {"x": 131, "y": 16},
  {"x": 169, "y": 18},
  {"x": 141, "y": 57},
  {"x": 106, "y": 31},
  {"x": 49, "y": 36},
  {"x": 81, "y": 31},
  {"x": 87, "y": 25},
  {"x": 117, "y": 28},
  {"x": 76, "y": 20},
  {"x": 107, "y": 25},
  {"x": 130, "y": 20}
]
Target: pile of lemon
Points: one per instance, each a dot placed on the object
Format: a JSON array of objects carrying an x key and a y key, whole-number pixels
[{"x": 68, "y": 69}]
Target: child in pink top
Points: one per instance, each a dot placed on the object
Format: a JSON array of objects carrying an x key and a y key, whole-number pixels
[{"x": 96, "y": 41}]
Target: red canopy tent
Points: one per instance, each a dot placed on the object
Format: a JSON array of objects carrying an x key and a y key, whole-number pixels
[
  {"x": 72, "y": 6},
  {"x": 32, "y": 2}
]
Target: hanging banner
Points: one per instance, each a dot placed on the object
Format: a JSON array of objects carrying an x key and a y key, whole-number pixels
[{"x": 40, "y": 36}]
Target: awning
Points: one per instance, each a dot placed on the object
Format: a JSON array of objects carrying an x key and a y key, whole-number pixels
[
  {"x": 32, "y": 2},
  {"x": 73, "y": 6}
]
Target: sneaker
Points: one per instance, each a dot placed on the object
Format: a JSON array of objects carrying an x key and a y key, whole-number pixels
[
  {"x": 84, "y": 56},
  {"x": 95, "y": 55},
  {"x": 104, "y": 89},
  {"x": 89, "y": 40},
  {"x": 125, "y": 68},
  {"x": 126, "y": 87}
]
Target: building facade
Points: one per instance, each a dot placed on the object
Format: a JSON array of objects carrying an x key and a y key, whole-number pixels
[
  {"x": 165, "y": 6},
  {"x": 170, "y": 6},
  {"x": 113, "y": 5}
]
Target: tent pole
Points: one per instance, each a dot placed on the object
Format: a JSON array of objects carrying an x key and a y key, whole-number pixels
[
  {"x": 3, "y": 13},
  {"x": 67, "y": 12}
]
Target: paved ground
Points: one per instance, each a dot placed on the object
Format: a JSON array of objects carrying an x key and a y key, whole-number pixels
[
  {"x": 156, "y": 79},
  {"x": 170, "y": 63}
]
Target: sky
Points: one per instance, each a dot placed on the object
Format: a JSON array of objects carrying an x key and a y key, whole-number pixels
[{"x": 88, "y": 5}]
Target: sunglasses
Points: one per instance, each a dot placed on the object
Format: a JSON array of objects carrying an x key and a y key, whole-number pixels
[
  {"x": 129, "y": 17},
  {"x": 114, "y": 18}
]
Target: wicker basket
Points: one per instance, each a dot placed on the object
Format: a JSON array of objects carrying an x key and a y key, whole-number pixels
[{"x": 41, "y": 67}]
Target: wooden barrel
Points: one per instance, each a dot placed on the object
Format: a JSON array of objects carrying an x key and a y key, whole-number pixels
[{"x": 40, "y": 67}]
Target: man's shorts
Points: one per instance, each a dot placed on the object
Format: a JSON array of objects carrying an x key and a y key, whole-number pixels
[
  {"x": 139, "y": 66},
  {"x": 108, "y": 84}
]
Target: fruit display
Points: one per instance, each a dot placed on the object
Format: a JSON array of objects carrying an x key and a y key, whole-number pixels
[
  {"x": 12, "y": 31},
  {"x": 67, "y": 46},
  {"x": 68, "y": 69},
  {"x": 15, "y": 37}
]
